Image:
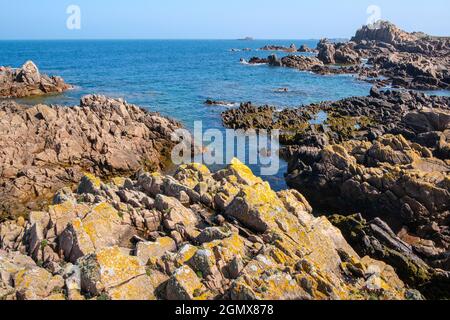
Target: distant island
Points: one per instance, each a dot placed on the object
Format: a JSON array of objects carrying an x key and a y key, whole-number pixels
[{"x": 247, "y": 39}]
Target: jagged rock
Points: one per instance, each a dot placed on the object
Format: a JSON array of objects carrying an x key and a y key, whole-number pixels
[
  {"x": 185, "y": 285},
  {"x": 174, "y": 213},
  {"x": 271, "y": 246},
  {"x": 100, "y": 228},
  {"x": 211, "y": 234},
  {"x": 382, "y": 155},
  {"x": 107, "y": 269},
  {"x": 291, "y": 48},
  {"x": 375, "y": 238},
  {"x": 391, "y": 176},
  {"x": 301, "y": 62},
  {"x": 147, "y": 250},
  {"x": 383, "y": 31},
  {"x": 305, "y": 48},
  {"x": 326, "y": 52},
  {"x": 27, "y": 81},
  {"x": 44, "y": 148},
  {"x": 274, "y": 61},
  {"x": 22, "y": 279},
  {"x": 394, "y": 57}
]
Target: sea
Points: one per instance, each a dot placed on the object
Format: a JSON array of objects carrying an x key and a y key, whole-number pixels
[{"x": 175, "y": 77}]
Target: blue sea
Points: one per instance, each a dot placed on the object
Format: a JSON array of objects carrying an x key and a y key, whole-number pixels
[{"x": 175, "y": 77}]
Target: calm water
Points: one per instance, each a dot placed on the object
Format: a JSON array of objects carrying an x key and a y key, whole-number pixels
[{"x": 176, "y": 77}]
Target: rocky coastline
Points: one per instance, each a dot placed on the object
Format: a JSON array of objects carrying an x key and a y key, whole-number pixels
[
  {"x": 28, "y": 81},
  {"x": 384, "y": 156},
  {"x": 381, "y": 54},
  {"x": 195, "y": 235},
  {"x": 44, "y": 148},
  {"x": 87, "y": 212}
]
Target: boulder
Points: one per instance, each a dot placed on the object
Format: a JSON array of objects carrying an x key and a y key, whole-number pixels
[
  {"x": 107, "y": 269},
  {"x": 27, "y": 81}
]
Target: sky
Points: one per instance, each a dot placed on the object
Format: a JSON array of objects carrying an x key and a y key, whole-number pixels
[{"x": 213, "y": 19}]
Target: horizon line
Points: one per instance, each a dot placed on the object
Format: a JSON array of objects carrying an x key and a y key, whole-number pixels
[{"x": 173, "y": 39}]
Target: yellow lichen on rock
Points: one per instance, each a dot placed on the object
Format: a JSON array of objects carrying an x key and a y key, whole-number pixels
[
  {"x": 140, "y": 288},
  {"x": 116, "y": 267},
  {"x": 185, "y": 285}
]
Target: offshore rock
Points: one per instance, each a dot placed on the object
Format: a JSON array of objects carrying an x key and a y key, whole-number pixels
[{"x": 28, "y": 81}]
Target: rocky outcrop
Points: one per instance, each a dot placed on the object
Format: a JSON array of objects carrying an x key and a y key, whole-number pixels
[
  {"x": 384, "y": 31},
  {"x": 44, "y": 148},
  {"x": 257, "y": 60},
  {"x": 385, "y": 155},
  {"x": 376, "y": 239},
  {"x": 192, "y": 236},
  {"x": 291, "y": 48},
  {"x": 391, "y": 178},
  {"x": 417, "y": 116},
  {"x": 302, "y": 63},
  {"x": 384, "y": 55},
  {"x": 28, "y": 81},
  {"x": 305, "y": 48},
  {"x": 326, "y": 51},
  {"x": 221, "y": 103},
  {"x": 409, "y": 60}
]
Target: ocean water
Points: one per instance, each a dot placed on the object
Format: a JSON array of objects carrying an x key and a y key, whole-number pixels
[{"x": 175, "y": 77}]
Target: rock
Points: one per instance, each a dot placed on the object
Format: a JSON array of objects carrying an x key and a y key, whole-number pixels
[
  {"x": 107, "y": 269},
  {"x": 36, "y": 284},
  {"x": 257, "y": 60},
  {"x": 139, "y": 288},
  {"x": 210, "y": 102},
  {"x": 301, "y": 62},
  {"x": 305, "y": 48},
  {"x": 291, "y": 48},
  {"x": 185, "y": 285},
  {"x": 89, "y": 184},
  {"x": 45, "y": 148},
  {"x": 383, "y": 31},
  {"x": 174, "y": 213},
  {"x": 211, "y": 234},
  {"x": 100, "y": 228},
  {"x": 379, "y": 155},
  {"x": 274, "y": 61},
  {"x": 390, "y": 56},
  {"x": 326, "y": 52},
  {"x": 375, "y": 238},
  {"x": 271, "y": 246},
  {"x": 22, "y": 278},
  {"x": 27, "y": 81},
  {"x": 148, "y": 250}
]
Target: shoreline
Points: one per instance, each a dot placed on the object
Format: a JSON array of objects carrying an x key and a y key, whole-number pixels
[{"x": 376, "y": 167}]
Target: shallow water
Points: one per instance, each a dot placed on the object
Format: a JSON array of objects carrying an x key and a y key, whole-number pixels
[{"x": 175, "y": 77}]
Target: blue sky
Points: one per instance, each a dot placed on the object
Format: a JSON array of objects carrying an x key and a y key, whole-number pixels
[{"x": 214, "y": 19}]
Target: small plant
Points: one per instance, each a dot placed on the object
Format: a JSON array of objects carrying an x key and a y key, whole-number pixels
[
  {"x": 44, "y": 243},
  {"x": 103, "y": 297},
  {"x": 197, "y": 293}
]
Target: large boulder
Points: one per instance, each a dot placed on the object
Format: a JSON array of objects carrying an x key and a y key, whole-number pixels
[
  {"x": 27, "y": 81},
  {"x": 326, "y": 52}
]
